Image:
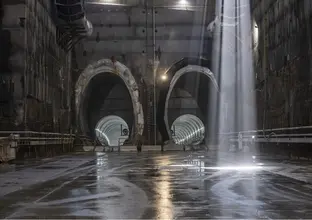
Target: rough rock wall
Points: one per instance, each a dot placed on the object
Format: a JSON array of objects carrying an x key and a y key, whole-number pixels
[
  {"x": 35, "y": 71},
  {"x": 283, "y": 66}
]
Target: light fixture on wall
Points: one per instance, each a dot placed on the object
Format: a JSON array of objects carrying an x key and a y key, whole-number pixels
[
  {"x": 183, "y": 2},
  {"x": 182, "y": 5},
  {"x": 106, "y": 2},
  {"x": 164, "y": 77}
]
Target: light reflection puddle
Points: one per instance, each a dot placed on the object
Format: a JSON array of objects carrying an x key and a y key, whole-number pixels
[{"x": 79, "y": 199}]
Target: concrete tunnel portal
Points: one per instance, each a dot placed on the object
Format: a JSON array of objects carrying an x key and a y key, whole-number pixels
[
  {"x": 105, "y": 84},
  {"x": 189, "y": 122},
  {"x": 107, "y": 103}
]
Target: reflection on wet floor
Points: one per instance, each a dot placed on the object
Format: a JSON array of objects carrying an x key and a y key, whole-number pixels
[{"x": 162, "y": 186}]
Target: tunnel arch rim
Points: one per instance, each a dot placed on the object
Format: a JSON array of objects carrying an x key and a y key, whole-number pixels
[
  {"x": 163, "y": 87},
  {"x": 187, "y": 69},
  {"x": 104, "y": 66}
]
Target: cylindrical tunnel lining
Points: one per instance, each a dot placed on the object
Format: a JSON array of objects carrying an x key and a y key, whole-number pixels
[
  {"x": 188, "y": 130},
  {"x": 112, "y": 130}
]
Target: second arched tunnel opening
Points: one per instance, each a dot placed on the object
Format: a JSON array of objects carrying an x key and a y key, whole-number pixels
[
  {"x": 188, "y": 99},
  {"x": 107, "y": 102}
]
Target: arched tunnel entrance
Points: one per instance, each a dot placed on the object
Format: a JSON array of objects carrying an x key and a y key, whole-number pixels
[
  {"x": 184, "y": 101},
  {"x": 106, "y": 95},
  {"x": 107, "y": 103}
]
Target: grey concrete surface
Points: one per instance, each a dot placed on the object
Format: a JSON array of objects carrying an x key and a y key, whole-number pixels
[{"x": 153, "y": 185}]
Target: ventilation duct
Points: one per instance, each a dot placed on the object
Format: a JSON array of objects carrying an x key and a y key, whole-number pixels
[{"x": 72, "y": 16}]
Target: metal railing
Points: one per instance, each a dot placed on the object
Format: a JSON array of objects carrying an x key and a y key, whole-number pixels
[
  {"x": 4, "y": 149},
  {"x": 11, "y": 142},
  {"x": 83, "y": 140},
  {"x": 302, "y": 134},
  {"x": 30, "y": 138},
  {"x": 26, "y": 138},
  {"x": 291, "y": 141}
]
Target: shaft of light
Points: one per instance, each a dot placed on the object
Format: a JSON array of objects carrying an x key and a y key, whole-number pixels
[{"x": 233, "y": 63}]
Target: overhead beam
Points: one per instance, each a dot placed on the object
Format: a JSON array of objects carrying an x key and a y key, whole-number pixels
[
  {"x": 118, "y": 53},
  {"x": 132, "y": 38},
  {"x": 111, "y": 6},
  {"x": 13, "y": 2},
  {"x": 143, "y": 24}
]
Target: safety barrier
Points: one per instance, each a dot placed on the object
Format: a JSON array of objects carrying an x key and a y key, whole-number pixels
[
  {"x": 14, "y": 144},
  {"x": 5, "y": 150},
  {"x": 82, "y": 140},
  {"x": 293, "y": 141},
  {"x": 301, "y": 134}
]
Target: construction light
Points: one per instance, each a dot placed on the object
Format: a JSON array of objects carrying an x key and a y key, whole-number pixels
[{"x": 164, "y": 77}]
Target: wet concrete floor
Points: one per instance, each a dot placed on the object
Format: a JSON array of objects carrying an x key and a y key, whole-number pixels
[{"x": 148, "y": 185}]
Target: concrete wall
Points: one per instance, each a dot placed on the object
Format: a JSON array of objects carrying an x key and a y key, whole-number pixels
[
  {"x": 37, "y": 71},
  {"x": 284, "y": 63},
  {"x": 13, "y": 65}
]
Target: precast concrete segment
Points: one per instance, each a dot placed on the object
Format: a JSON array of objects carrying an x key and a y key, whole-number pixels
[
  {"x": 188, "y": 130},
  {"x": 107, "y": 66},
  {"x": 112, "y": 130},
  {"x": 187, "y": 69}
]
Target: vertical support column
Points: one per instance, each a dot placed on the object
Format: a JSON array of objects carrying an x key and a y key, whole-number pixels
[
  {"x": 25, "y": 93},
  {"x": 154, "y": 75},
  {"x": 151, "y": 69},
  {"x": 264, "y": 70},
  {"x": 237, "y": 104}
]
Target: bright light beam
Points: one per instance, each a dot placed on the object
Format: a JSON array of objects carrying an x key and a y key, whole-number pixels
[
  {"x": 237, "y": 168},
  {"x": 234, "y": 63}
]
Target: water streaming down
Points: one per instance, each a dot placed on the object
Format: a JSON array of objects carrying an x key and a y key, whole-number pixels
[
  {"x": 234, "y": 65},
  {"x": 112, "y": 130},
  {"x": 188, "y": 130}
]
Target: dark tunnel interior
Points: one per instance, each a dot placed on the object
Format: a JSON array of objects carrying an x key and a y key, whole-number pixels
[
  {"x": 192, "y": 107},
  {"x": 206, "y": 93},
  {"x": 106, "y": 95}
]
